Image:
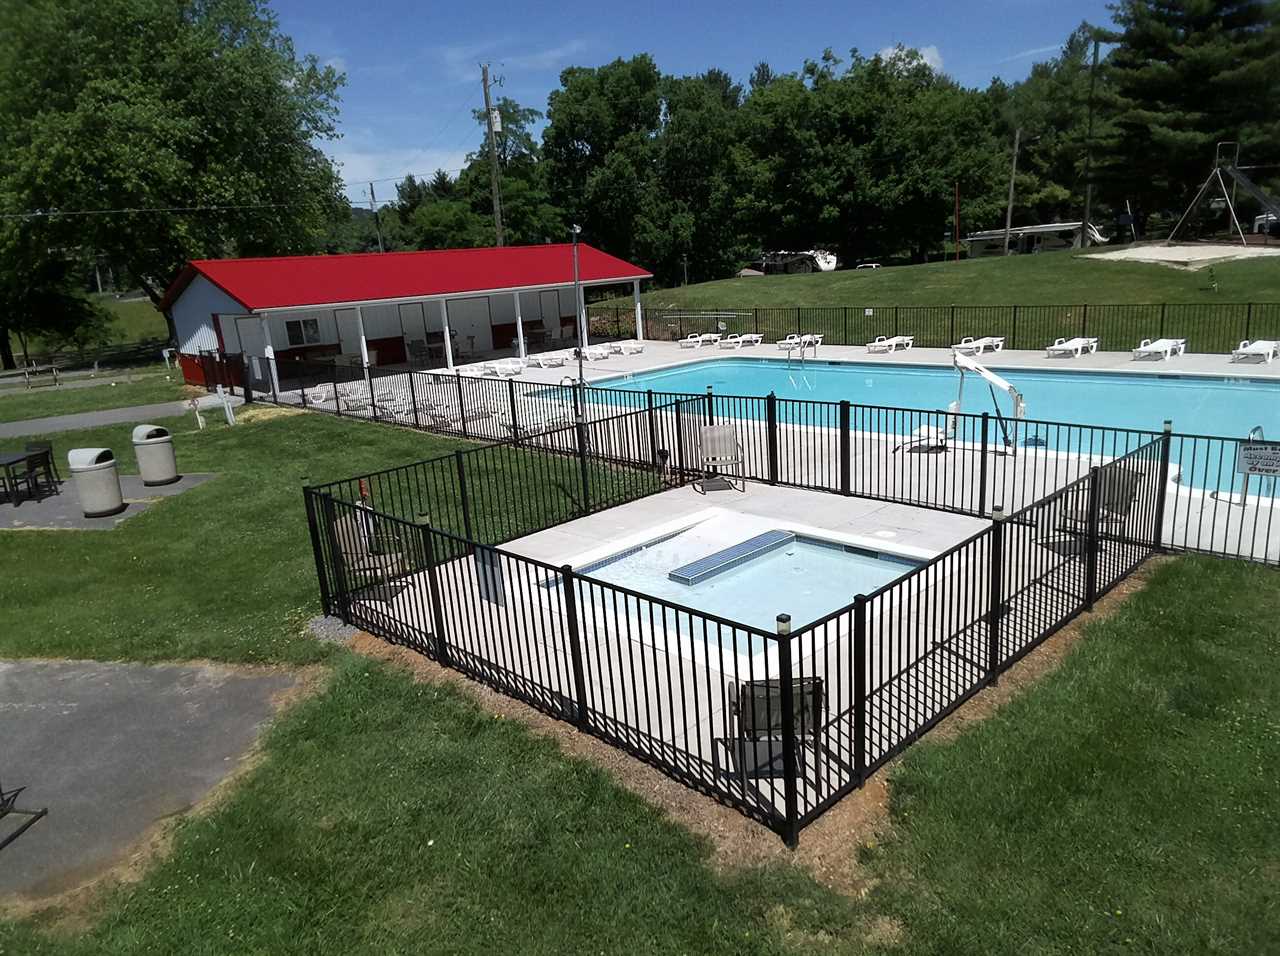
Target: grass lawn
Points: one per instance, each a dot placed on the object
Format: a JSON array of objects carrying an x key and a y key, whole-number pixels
[
  {"x": 135, "y": 319},
  {"x": 115, "y": 392},
  {"x": 1050, "y": 279},
  {"x": 1126, "y": 802}
]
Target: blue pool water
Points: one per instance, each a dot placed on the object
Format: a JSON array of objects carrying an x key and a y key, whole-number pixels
[
  {"x": 1197, "y": 405},
  {"x": 805, "y": 578}
]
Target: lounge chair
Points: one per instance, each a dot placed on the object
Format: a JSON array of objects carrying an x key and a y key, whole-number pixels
[
  {"x": 595, "y": 353},
  {"x": 756, "y": 722},
  {"x": 751, "y": 338},
  {"x": 731, "y": 341},
  {"x": 1116, "y": 493},
  {"x": 710, "y": 338},
  {"x": 1265, "y": 349},
  {"x": 317, "y": 396},
  {"x": 891, "y": 343},
  {"x": 364, "y": 549},
  {"x": 971, "y": 346},
  {"x": 811, "y": 341},
  {"x": 1160, "y": 349},
  {"x": 1073, "y": 347},
  {"x": 691, "y": 341},
  {"x": 531, "y": 421},
  {"x": 503, "y": 368},
  {"x": 792, "y": 341},
  {"x": 720, "y": 452},
  {"x": 547, "y": 359},
  {"x": 630, "y": 347}
]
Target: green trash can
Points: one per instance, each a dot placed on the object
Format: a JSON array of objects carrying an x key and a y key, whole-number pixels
[
  {"x": 153, "y": 447},
  {"x": 97, "y": 481}
]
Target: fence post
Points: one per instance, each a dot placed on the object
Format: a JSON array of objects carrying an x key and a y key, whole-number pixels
[
  {"x": 1165, "y": 443},
  {"x": 462, "y": 496},
  {"x": 771, "y": 434},
  {"x": 791, "y": 785},
  {"x": 368, "y": 383},
  {"x": 895, "y": 320},
  {"x": 755, "y": 313},
  {"x": 337, "y": 399},
  {"x": 846, "y": 456},
  {"x": 413, "y": 400},
  {"x": 995, "y": 612},
  {"x": 680, "y": 462},
  {"x": 953, "y": 325},
  {"x": 797, "y": 320},
  {"x": 462, "y": 407},
  {"x": 575, "y": 647},
  {"x": 711, "y": 407},
  {"x": 1162, "y": 310},
  {"x": 1013, "y": 337},
  {"x": 245, "y": 378},
  {"x": 1084, "y": 320},
  {"x": 308, "y": 496},
  {"x": 653, "y": 427},
  {"x": 515, "y": 414},
  {"x": 1248, "y": 318},
  {"x": 846, "y": 325},
  {"x": 433, "y": 586},
  {"x": 581, "y": 430},
  {"x": 860, "y": 688},
  {"x": 679, "y": 325},
  {"x": 982, "y": 466},
  {"x": 335, "y": 552},
  {"x": 1091, "y": 540}
]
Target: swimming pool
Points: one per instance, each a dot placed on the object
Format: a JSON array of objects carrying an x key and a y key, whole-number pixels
[{"x": 1197, "y": 404}]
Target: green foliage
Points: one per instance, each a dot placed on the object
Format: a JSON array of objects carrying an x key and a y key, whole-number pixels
[
  {"x": 160, "y": 104},
  {"x": 1185, "y": 75}
]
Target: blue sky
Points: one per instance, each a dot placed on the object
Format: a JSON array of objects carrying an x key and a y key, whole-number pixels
[{"x": 413, "y": 75}]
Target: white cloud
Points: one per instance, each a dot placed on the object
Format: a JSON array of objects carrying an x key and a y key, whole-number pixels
[
  {"x": 1037, "y": 51},
  {"x": 462, "y": 61},
  {"x": 930, "y": 54},
  {"x": 360, "y": 165}
]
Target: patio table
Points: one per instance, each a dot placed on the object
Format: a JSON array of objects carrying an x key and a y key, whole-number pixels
[{"x": 8, "y": 461}]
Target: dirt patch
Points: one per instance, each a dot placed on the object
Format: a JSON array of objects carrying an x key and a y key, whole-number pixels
[
  {"x": 74, "y": 910},
  {"x": 828, "y": 846},
  {"x": 257, "y": 412}
]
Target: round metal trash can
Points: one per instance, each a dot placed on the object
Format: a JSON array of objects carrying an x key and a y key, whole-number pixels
[
  {"x": 93, "y": 470},
  {"x": 153, "y": 447}
]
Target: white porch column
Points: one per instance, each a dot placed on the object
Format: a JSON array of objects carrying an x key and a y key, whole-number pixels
[
  {"x": 582, "y": 318},
  {"x": 448, "y": 345},
  {"x": 519, "y": 326},
  {"x": 269, "y": 353},
  {"x": 364, "y": 346},
  {"x": 635, "y": 297}
]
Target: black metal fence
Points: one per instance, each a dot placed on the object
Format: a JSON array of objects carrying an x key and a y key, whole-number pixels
[
  {"x": 1207, "y": 327},
  {"x": 779, "y": 726}
]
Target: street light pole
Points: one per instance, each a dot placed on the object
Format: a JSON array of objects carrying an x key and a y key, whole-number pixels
[{"x": 1013, "y": 171}]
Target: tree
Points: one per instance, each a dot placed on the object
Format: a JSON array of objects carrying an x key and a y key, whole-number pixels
[
  {"x": 1187, "y": 74},
  {"x": 197, "y": 111}
]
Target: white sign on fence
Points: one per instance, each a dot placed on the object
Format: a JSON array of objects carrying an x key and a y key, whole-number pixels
[{"x": 1258, "y": 458}]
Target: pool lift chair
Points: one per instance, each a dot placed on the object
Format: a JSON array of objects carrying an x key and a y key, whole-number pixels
[{"x": 932, "y": 438}]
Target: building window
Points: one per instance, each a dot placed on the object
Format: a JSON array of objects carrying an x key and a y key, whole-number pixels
[{"x": 303, "y": 331}]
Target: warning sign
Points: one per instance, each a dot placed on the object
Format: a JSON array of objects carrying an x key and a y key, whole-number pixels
[{"x": 1258, "y": 458}]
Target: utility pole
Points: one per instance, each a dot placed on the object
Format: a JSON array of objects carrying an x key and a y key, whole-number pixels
[
  {"x": 1013, "y": 171},
  {"x": 493, "y": 155},
  {"x": 957, "y": 222},
  {"x": 377, "y": 223},
  {"x": 1088, "y": 149}
]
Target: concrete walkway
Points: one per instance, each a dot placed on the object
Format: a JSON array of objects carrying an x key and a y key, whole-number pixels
[
  {"x": 112, "y": 750},
  {"x": 108, "y": 416}
]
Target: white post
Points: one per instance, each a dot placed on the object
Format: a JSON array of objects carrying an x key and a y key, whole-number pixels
[
  {"x": 364, "y": 346},
  {"x": 519, "y": 326},
  {"x": 635, "y": 297},
  {"x": 448, "y": 345},
  {"x": 269, "y": 353}
]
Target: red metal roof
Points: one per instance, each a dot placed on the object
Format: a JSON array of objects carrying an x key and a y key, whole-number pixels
[{"x": 284, "y": 281}]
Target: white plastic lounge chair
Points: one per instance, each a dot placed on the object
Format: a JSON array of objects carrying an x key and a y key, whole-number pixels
[
  {"x": 971, "y": 346},
  {"x": 1265, "y": 349},
  {"x": 630, "y": 347},
  {"x": 504, "y": 368},
  {"x": 1160, "y": 349},
  {"x": 595, "y": 353},
  {"x": 731, "y": 341},
  {"x": 891, "y": 343},
  {"x": 751, "y": 338},
  {"x": 547, "y": 359},
  {"x": 792, "y": 341},
  {"x": 720, "y": 453},
  {"x": 810, "y": 340},
  {"x": 1074, "y": 347},
  {"x": 318, "y": 395},
  {"x": 710, "y": 338},
  {"x": 691, "y": 341}
]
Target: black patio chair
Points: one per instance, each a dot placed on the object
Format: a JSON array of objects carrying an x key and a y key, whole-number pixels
[
  {"x": 756, "y": 719},
  {"x": 53, "y": 461},
  {"x": 41, "y": 470}
]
